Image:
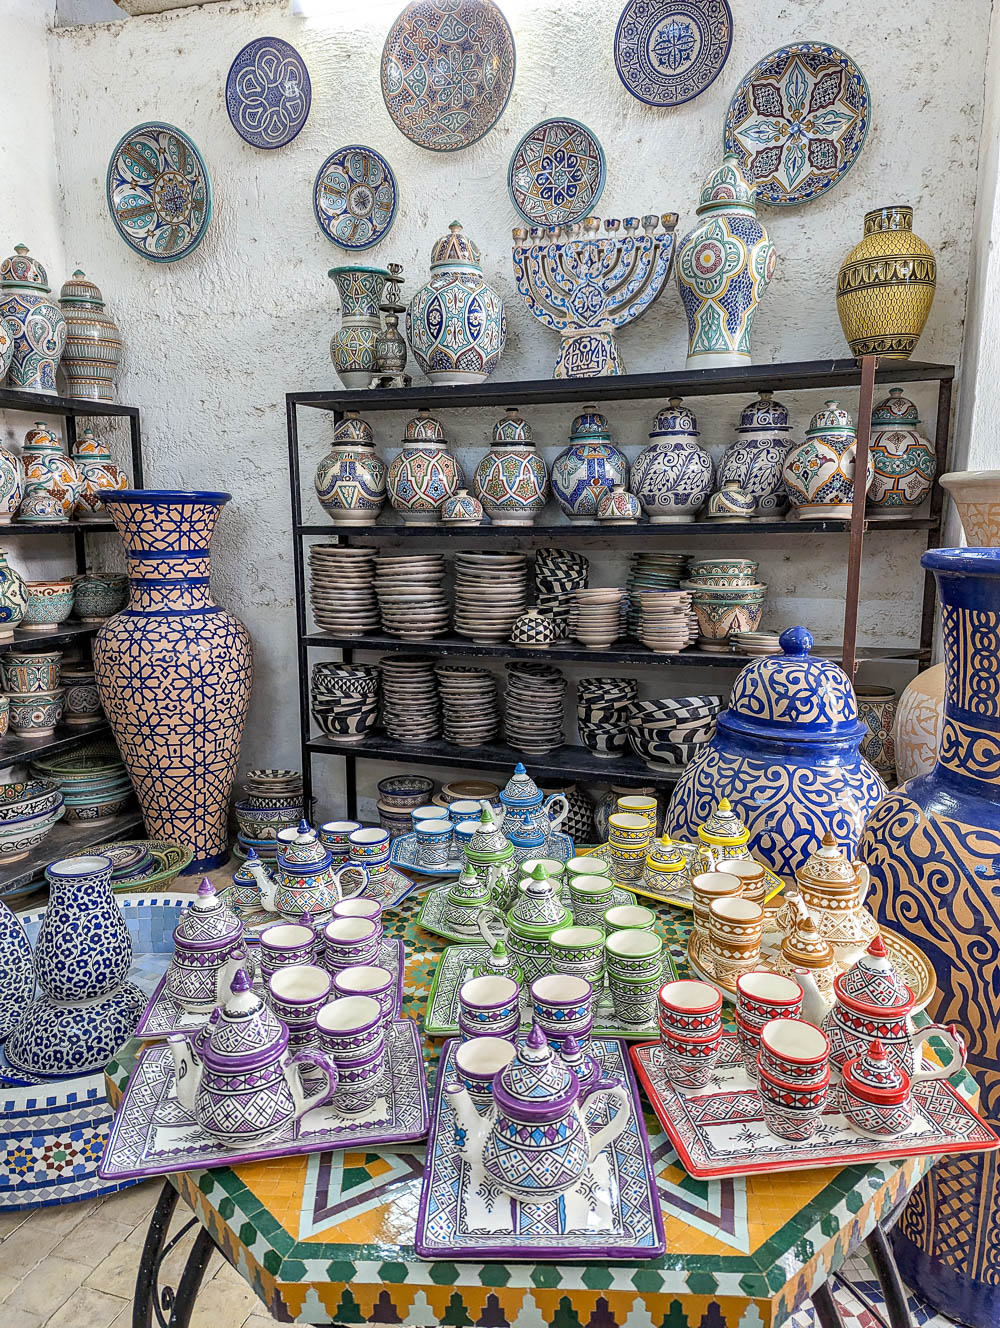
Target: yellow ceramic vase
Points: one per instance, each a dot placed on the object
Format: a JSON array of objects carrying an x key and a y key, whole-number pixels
[{"x": 885, "y": 287}]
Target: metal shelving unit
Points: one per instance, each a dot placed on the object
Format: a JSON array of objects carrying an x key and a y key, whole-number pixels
[{"x": 570, "y": 761}]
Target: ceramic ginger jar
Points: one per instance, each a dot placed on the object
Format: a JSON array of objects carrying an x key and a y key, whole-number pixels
[
  {"x": 350, "y": 480},
  {"x": 511, "y": 480},
  {"x": 885, "y": 287},
  {"x": 589, "y": 466},
  {"x": 11, "y": 485},
  {"x": 424, "y": 475},
  {"x": 903, "y": 459},
  {"x": 673, "y": 477},
  {"x": 35, "y": 321},
  {"x": 786, "y": 752},
  {"x": 916, "y": 730},
  {"x": 92, "y": 458},
  {"x": 93, "y": 342},
  {"x": 724, "y": 266},
  {"x": 456, "y": 323},
  {"x": 819, "y": 472},
  {"x": 13, "y": 599},
  {"x": 755, "y": 460},
  {"x": 353, "y": 347},
  {"x": 50, "y": 474},
  {"x": 208, "y": 949}
]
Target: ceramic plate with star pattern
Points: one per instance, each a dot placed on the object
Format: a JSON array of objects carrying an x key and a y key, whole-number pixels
[
  {"x": 668, "y": 51},
  {"x": 354, "y": 197},
  {"x": 158, "y": 192},
  {"x": 556, "y": 174}
]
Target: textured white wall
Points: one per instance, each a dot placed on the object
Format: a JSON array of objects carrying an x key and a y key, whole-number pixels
[{"x": 214, "y": 342}]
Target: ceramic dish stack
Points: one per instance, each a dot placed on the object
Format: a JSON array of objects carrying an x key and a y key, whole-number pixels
[
  {"x": 558, "y": 573},
  {"x": 666, "y": 623},
  {"x": 272, "y": 800},
  {"x": 754, "y": 643},
  {"x": 29, "y": 808},
  {"x": 668, "y": 733},
  {"x": 597, "y": 616},
  {"x": 533, "y": 708},
  {"x": 93, "y": 781},
  {"x": 471, "y": 790},
  {"x": 342, "y": 589},
  {"x": 411, "y": 595},
  {"x": 603, "y": 706},
  {"x": 491, "y": 593},
  {"x": 651, "y": 571},
  {"x": 142, "y": 865},
  {"x": 398, "y": 795},
  {"x": 726, "y": 597},
  {"x": 470, "y": 702},
  {"x": 345, "y": 699},
  {"x": 411, "y": 705}
]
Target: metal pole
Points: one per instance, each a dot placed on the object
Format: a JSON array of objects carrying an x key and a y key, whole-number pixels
[
  {"x": 942, "y": 431},
  {"x": 855, "y": 552},
  {"x": 301, "y": 625}
]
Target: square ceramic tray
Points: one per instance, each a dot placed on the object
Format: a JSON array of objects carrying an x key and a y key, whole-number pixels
[
  {"x": 681, "y": 898},
  {"x": 432, "y": 911},
  {"x": 163, "y": 1016},
  {"x": 719, "y": 1130},
  {"x": 404, "y": 854},
  {"x": 153, "y": 1135},
  {"x": 613, "y": 1214},
  {"x": 455, "y": 966}
]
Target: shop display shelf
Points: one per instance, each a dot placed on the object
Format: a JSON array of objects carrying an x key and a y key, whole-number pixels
[
  {"x": 18, "y": 748},
  {"x": 65, "y": 634},
  {"x": 673, "y": 534},
  {"x": 65, "y": 840}
]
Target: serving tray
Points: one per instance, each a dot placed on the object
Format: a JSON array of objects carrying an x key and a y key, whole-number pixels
[
  {"x": 432, "y": 914},
  {"x": 404, "y": 853},
  {"x": 681, "y": 897}
]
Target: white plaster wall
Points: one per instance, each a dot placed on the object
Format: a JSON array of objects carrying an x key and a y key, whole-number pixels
[{"x": 214, "y": 342}]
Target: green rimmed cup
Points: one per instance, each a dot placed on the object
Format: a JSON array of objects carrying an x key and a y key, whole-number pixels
[
  {"x": 579, "y": 952},
  {"x": 636, "y": 956},
  {"x": 634, "y": 1002},
  {"x": 590, "y": 898},
  {"x": 629, "y": 917}
]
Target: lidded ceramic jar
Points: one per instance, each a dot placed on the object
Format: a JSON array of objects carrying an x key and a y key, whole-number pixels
[
  {"x": 673, "y": 477},
  {"x": 13, "y": 599},
  {"x": 511, "y": 480},
  {"x": 903, "y": 459},
  {"x": 350, "y": 480},
  {"x": 93, "y": 342},
  {"x": 756, "y": 458},
  {"x": 456, "y": 323},
  {"x": 208, "y": 949},
  {"x": 618, "y": 507},
  {"x": 35, "y": 321},
  {"x": 819, "y": 472},
  {"x": 885, "y": 287},
  {"x": 424, "y": 475},
  {"x": 11, "y": 483},
  {"x": 462, "y": 509},
  {"x": 49, "y": 474},
  {"x": 730, "y": 503},
  {"x": 589, "y": 466},
  {"x": 7, "y": 331},
  {"x": 92, "y": 458}
]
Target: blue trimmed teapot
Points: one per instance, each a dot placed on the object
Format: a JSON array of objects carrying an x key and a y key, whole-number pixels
[{"x": 304, "y": 879}]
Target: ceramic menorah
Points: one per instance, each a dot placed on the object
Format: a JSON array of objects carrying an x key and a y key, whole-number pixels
[{"x": 586, "y": 287}]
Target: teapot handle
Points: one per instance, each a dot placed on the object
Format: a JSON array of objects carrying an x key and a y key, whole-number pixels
[
  {"x": 610, "y": 1132},
  {"x": 352, "y": 867},
  {"x": 322, "y": 1062},
  {"x": 548, "y": 804},
  {"x": 486, "y": 915},
  {"x": 953, "y": 1037}
]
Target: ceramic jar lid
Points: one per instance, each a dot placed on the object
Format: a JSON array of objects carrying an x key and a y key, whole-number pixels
[
  {"x": 521, "y": 789},
  {"x": 828, "y": 866},
  {"x": 723, "y": 827},
  {"x": 424, "y": 430},
  {"x": 78, "y": 290},
  {"x": 590, "y": 423},
  {"x": 353, "y": 429},
  {"x": 674, "y": 418},
  {"x": 246, "y": 1033},
  {"x": 873, "y": 982},
  {"x": 40, "y": 439},
  {"x": 727, "y": 186},
  {"x": 874, "y": 1077},
  {"x": 764, "y": 413},
  {"x": 207, "y": 921},
  {"x": 804, "y": 947},
  {"x": 896, "y": 410},
  {"x": 456, "y": 249},
  {"x": 20, "y": 271},
  {"x": 304, "y": 854},
  {"x": 665, "y": 856},
  {"x": 831, "y": 419},
  {"x": 91, "y": 448},
  {"x": 489, "y": 841},
  {"x": 513, "y": 429},
  {"x": 535, "y": 1085}
]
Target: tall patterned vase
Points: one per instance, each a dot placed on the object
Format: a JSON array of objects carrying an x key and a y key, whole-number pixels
[
  {"x": 885, "y": 287},
  {"x": 37, "y": 324},
  {"x": 353, "y": 346},
  {"x": 755, "y": 460},
  {"x": 93, "y": 341},
  {"x": 174, "y": 670},
  {"x": 933, "y": 849},
  {"x": 724, "y": 266},
  {"x": 456, "y": 322}
]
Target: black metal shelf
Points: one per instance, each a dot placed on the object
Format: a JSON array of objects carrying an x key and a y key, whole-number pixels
[
  {"x": 65, "y": 839},
  {"x": 98, "y": 527},
  {"x": 674, "y": 532},
  {"x": 46, "y": 403},
  {"x": 65, "y": 634},
  {"x": 18, "y": 748}
]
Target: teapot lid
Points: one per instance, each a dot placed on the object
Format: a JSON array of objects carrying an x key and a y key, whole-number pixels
[
  {"x": 514, "y": 428},
  {"x": 207, "y": 920},
  {"x": 831, "y": 419},
  {"x": 804, "y": 946},
  {"x": 674, "y": 418},
  {"x": 723, "y": 827},
  {"x": 91, "y": 448},
  {"x": 455, "y": 249},
  {"x": 873, "y": 981},
  {"x": 304, "y": 853},
  {"x": 764, "y": 413},
  {"x": 538, "y": 903},
  {"x": 875, "y": 1077},
  {"x": 353, "y": 429},
  {"x": 727, "y": 186},
  {"x": 78, "y": 290},
  {"x": 20, "y": 272},
  {"x": 829, "y": 865},
  {"x": 489, "y": 839},
  {"x": 521, "y": 790},
  {"x": 536, "y": 1085},
  {"x": 590, "y": 423},
  {"x": 896, "y": 410},
  {"x": 247, "y": 1033}
]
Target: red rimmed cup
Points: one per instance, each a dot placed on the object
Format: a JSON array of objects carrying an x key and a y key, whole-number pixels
[
  {"x": 794, "y": 1052},
  {"x": 763, "y": 996},
  {"x": 748, "y": 1037},
  {"x": 688, "y": 1062},
  {"x": 690, "y": 1007},
  {"x": 791, "y": 1111}
]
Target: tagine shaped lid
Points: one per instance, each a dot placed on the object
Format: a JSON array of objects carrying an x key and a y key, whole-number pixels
[
  {"x": 40, "y": 438},
  {"x": 590, "y": 423},
  {"x": 875, "y": 1076},
  {"x": 665, "y": 856},
  {"x": 723, "y": 827},
  {"x": 456, "y": 249},
  {"x": 489, "y": 840},
  {"x": 424, "y": 428},
  {"x": 831, "y": 419},
  {"x": 538, "y": 903},
  {"x": 896, "y": 411},
  {"x": 674, "y": 419},
  {"x": 727, "y": 186},
  {"x": 829, "y": 865},
  {"x": 77, "y": 290},
  {"x": 353, "y": 429},
  {"x": 88, "y": 447},
  {"x": 764, "y": 413},
  {"x": 22, "y": 272},
  {"x": 207, "y": 919},
  {"x": 536, "y": 1083},
  {"x": 514, "y": 428},
  {"x": 874, "y": 981},
  {"x": 804, "y": 946},
  {"x": 521, "y": 790},
  {"x": 246, "y": 1027},
  {"x": 304, "y": 854}
]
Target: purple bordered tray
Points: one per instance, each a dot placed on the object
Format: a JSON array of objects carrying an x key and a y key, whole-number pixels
[
  {"x": 163, "y": 1016},
  {"x": 152, "y": 1134},
  {"x": 719, "y": 1130},
  {"x": 613, "y": 1214}
]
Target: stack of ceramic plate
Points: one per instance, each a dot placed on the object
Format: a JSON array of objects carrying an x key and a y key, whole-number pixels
[
  {"x": 666, "y": 623},
  {"x": 755, "y": 643},
  {"x": 345, "y": 699},
  {"x": 411, "y": 706},
  {"x": 533, "y": 708},
  {"x": 342, "y": 589},
  {"x": 559, "y": 572},
  {"x": 471, "y": 705},
  {"x": 603, "y": 706},
  {"x": 472, "y": 790},
  {"x": 491, "y": 593},
  {"x": 272, "y": 801},
  {"x": 93, "y": 781},
  {"x": 411, "y": 595},
  {"x": 652, "y": 571},
  {"x": 596, "y": 616}
]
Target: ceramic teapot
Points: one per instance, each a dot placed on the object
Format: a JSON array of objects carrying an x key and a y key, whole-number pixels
[
  {"x": 490, "y": 854},
  {"x": 534, "y": 1143},
  {"x": 806, "y": 956},
  {"x": 467, "y": 897},
  {"x": 236, "y": 1077},
  {"x": 833, "y": 889},
  {"x": 528, "y": 925},
  {"x": 208, "y": 949},
  {"x": 722, "y": 835},
  {"x": 529, "y": 821},
  {"x": 304, "y": 880}
]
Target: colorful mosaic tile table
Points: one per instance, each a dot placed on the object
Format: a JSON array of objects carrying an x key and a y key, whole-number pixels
[{"x": 329, "y": 1237}]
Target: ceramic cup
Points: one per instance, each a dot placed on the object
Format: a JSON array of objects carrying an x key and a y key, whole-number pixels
[
  {"x": 369, "y": 980},
  {"x": 735, "y": 927},
  {"x": 490, "y": 1006},
  {"x": 479, "y": 1061},
  {"x": 563, "y": 1006},
  {"x": 763, "y": 996},
  {"x": 706, "y": 886},
  {"x": 628, "y": 830},
  {"x": 350, "y": 941},
  {"x": 349, "y": 1027},
  {"x": 296, "y": 994},
  {"x": 430, "y": 812},
  {"x": 791, "y": 1111},
  {"x": 462, "y": 833},
  {"x": 285, "y": 943},
  {"x": 434, "y": 842},
  {"x": 634, "y": 1002},
  {"x": 360, "y": 1080},
  {"x": 585, "y": 867},
  {"x": 751, "y": 875},
  {"x": 590, "y": 897},
  {"x": 639, "y": 804},
  {"x": 690, "y": 1008},
  {"x": 748, "y": 1040},
  {"x": 462, "y": 810},
  {"x": 688, "y": 1062},
  {"x": 362, "y": 907},
  {"x": 794, "y": 1052},
  {"x": 579, "y": 951},
  {"x": 624, "y": 917},
  {"x": 636, "y": 956},
  {"x": 368, "y": 844},
  {"x": 628, "y": 864},
  {"x": 335, "y": 835}
]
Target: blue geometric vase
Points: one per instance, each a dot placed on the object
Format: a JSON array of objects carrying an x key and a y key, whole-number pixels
[{"x": 933, "y": 849}]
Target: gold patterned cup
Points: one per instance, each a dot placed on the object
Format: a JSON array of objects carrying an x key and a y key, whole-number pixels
[
  {"x": 735, "y": 926},
  {"x": 629, "y": 830},
  {"x": 706, "y": 887},
  {"x": 753, "y": 876}
]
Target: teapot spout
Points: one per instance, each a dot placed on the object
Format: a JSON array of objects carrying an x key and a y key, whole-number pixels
[
  {"x": 187, "y": 1069},
  {"x": 267, "y": 884},
  {"x": 815, "y": 1006},
  {"x": 471, "y": 1129}
]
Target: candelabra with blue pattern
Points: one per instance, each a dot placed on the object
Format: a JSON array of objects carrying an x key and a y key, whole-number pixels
[{"x": 587, "y": 288}]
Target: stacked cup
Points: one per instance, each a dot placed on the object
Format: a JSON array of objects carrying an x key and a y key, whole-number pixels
[
  {"x": 489, "y": 1006},
  {"x": 590, "y": 898},
  {"x": 578, "y": 951},
  {"x": 369, "y": 848},
  {"x": 634, "y": 961},
  {"x": 793, "y": 1075},
  {"x": 349, "y": 1030},
  {"x": 706, "y": 888},
  {"x": 350, "y": 941},
  {"x": 760, "y": 997},
  {"x": 297, "y": 993},
  {"x": 629, "y": 835},
  {"x": 735, "y": 927},
  {"x": 690, "y": 1019},
  {"x": 434, "y": 840},
  {"x": 563, "y": 1007},
  {"x": 478, "y": 1062}
]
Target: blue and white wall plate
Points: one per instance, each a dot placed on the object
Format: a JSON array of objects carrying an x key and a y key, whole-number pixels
[
  {"x": 668, "y": 51},
  {"x": 159, "y": 192},
  {"x": 556, "y": 174},
  {"x": 355, "y": 197},
  {"x": 268, "y": 93}
]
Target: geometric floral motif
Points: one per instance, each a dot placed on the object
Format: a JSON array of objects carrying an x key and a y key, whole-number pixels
[
  {"x": 556, "y": 174},
  {"x": 669, "y": 51},
  {"x": 159, "y": 193},
  {"x": 268, "y": 93}
]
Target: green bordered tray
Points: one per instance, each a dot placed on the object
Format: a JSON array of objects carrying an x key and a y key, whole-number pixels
[{"x": 432, "y": 914}]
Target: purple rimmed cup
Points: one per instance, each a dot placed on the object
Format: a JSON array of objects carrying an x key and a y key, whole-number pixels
[
  {"x": 349, "y": 1027},
  {"x": 296, "y": 994},
  {"x": 348, "y": 942},
  {"x": 361, "y": 907},
  {"x": 563, "y": 1006},
  {"x": 479, "y": 1061},
  {"x": 369, "y": 980},
  {"x": 360, "y": 1081},
  {"x": 283, "y": 944},
  {"x": 489, "y": 1006}
]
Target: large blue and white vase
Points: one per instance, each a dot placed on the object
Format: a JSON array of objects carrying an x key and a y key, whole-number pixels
[
  {"x": 174, "y": 670},
  {"x": 511, "y": 481},
  {"x": 350, "y": 480},
  {"x": 724, "y": 266},
  {"x": 17, "y": 976},
  {"x": 672, "y": 478},
  {"x": 819, "y": 471},
  {"x": 786, "y": 755},
  {"x": 35, "y": 322},
  {"x": 933, "y": 849},
  {"x": 353, "y": 345},
  {"x": 456, "y": 322},
  {"x": 755, "y": 460},
  {"x": 588, "y": 468}
]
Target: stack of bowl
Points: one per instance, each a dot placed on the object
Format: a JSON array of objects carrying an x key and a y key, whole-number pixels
[
  {"x": 558, "y": 573},
  {"x": 666, "y": 621},
  {"x": 345, "y": 699},
  {"x": 603, "y": 706},
  {"x": 596, "y": 618},
  {"x": 727, "y": 598},
  {"x": 93, "y": 781},
  {"x": 668, "y": 733},
  {"x": 411, "y": 595},
  {"x": 491, "y": 593},
  {"x": 342, "y": 589},
  {"x": 411, "y": 703},
  {"x": 29, "y": 808},
  {"x": 755, "y": 643},
  {"x": 398, "y": 795},
  {"x": 651, "y": 571},
  {"x": 272, "y": 801},
  {"x": 31, "y": 681}
]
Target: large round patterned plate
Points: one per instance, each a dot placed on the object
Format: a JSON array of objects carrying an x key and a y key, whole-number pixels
[
  {"x": 268, "y": 93},
  {"x": 669, "y": 51},
  {"x": 354, "y": 197},
  {"x": 556, "y": 174},
  {"x": 447, "y": 71},
  {"x": 798, "y": 122},
  {"x": 158, "y": 192}
]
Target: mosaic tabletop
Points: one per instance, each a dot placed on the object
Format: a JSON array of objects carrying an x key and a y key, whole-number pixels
[{"x": 329, "y": 1237}]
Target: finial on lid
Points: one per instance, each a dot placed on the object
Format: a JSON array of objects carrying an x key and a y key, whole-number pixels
[
  {"x": 206, "y": 887},
  {"x": 536, "y": 1039},
  {"x": 240, "y": 982},
  {"x": 877, "y": 947},
  {"x": 796, "y": 641},
  {"x": 252, "y": 855}
]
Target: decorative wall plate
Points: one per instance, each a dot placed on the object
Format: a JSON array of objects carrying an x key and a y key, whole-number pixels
[
  {"x": 159, "y": 192},
  {"x": 556, "y": 174},
  {"x": 719, "y": 1130},
  {"x": 268, "y": 93},
  {"x": 355, "y": 197},
  {"x": 669, "y": 51},
  {"x": 798, "y": 121},
  {"x": 447, "y": 71}
]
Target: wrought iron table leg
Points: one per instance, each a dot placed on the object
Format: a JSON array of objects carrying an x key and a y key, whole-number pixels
[
  {"x": 171, "y": 1309},
  {"x": 190, "y": 1283},
  {"x": 827, "y": 1309},
  {"x": 893, "y": 1291}
]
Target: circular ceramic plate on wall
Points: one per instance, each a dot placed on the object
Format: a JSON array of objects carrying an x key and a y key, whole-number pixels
[
  {"x": 268, "y": 93},
  {"x": 556, "y": 174},
  {"x": 158, "y": 192},
  {"x": 669, "y": 51},
  {"x": 355, "y": 197},
  {"x": 798, "y": 122},
  {"x": 447, "y": 71}
]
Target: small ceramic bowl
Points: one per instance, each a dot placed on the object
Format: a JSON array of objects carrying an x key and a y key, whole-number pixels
[
  {"x": 27, "y": 797},
  {"x": 31, "y": 671},
  {"x": 36, "y": 714},
  {"x": 97, "y": 596},
  {"x": 49, "y": 604},
  {"x": 93, "y": 811},
  {"x": 404, "y": 791}
]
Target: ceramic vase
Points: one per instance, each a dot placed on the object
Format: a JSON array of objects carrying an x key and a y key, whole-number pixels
[
  {"x": 755, "y": 460},
  {"x": 38, "y": 326},
  {"x": 174, "y": 671},
  {"x": 353, "y": 346},
  {"x": 933, "y": 847},
  {"x": 13, "y": 599},
  {"x": 511, "y": 480},
  {"x": 350, "y": 480},
  {"x": 8, "y": 330},
  {"x": 885, "y": 287},
  {"x": 424, "y": 475},
  {"x": 819, "y": 472},
  {"x": 52, "y": 480},
  {"x": 11, "y": 485},
  {"x": 786, "y": 755},
  {"x": 976, "y": 494},
  {"x": 589, "y": 466},
  {"x": 98, "y": 473},
  {"x": 724, "y": 266},
  {"x": 17, "y": 977},
  {"x": 877, "y": 711},
  {"x": 673, "y": 477},
  {"x": 456, "y": 323},
  {"x": 93, "y": 342},
  {"x": 903, "y": 459},
  {"x": 917, "y": 730},
  {"x": 83, "y": 949}
]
